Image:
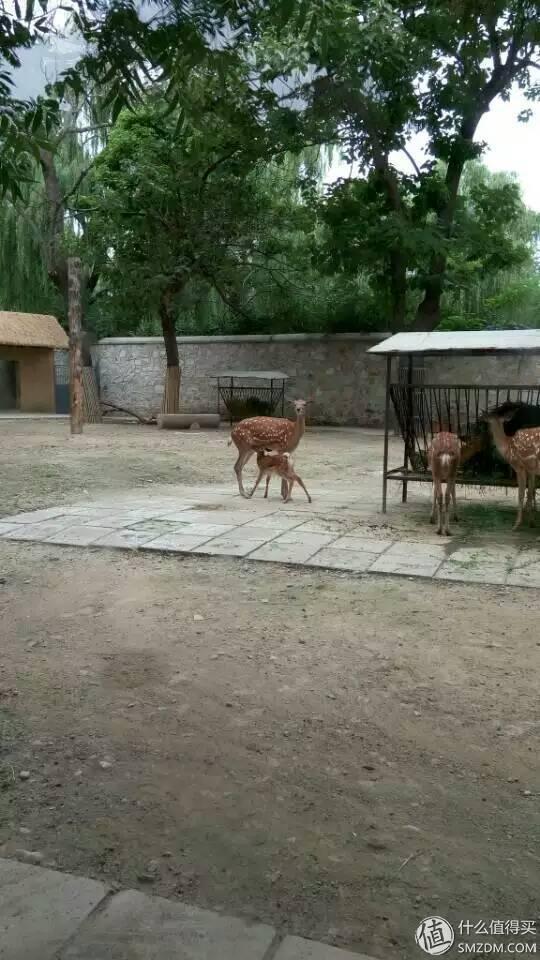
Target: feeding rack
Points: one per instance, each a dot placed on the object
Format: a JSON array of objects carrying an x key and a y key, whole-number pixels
[
  {"x": 423, "y": 409},
  {"x": 264, "y": 388}
]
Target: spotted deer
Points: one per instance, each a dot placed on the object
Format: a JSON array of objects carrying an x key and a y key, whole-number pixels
[
  {"x": 262, "y": 433},
  {"x": 272, "y": 462},
  {"x": 521, "y": 451},
  {"x": 444, "y": 456}
]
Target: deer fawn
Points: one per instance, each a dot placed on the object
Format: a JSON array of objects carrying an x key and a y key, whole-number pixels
[
  {"x": 272, "y": 462},
  {"x": 521, "y": 451},
  {"x": 444, "y": 457},
  {"x": 259, "y": 433}
]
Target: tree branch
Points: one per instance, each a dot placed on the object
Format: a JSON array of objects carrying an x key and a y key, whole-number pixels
[
  {"x": 412, "y": 161},
  {"x": 56, "y": 262},
  {"x": 77, "y": 183},
  {"x": 91, "y": 129},
  {"x": 213, "y": 166},
  {"x": 226, "y": 299}
]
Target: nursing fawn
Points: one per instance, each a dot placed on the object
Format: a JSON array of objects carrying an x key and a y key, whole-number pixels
[{"x": 273, "y": 462}]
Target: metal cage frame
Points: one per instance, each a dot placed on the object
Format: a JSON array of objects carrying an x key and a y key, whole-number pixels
[{"x": 422, "y": 409}]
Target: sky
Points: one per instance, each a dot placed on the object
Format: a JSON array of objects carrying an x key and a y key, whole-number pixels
[{"x": 511, "y": 145}]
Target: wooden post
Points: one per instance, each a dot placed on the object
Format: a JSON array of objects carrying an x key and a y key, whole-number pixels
[
  {"x": 409, "y": 429},
  {"x": 75, "y": 345},
  {"x": 386, "y": 429}
]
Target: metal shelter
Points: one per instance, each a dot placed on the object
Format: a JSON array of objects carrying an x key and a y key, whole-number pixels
[{"x": 423, "y": 409}]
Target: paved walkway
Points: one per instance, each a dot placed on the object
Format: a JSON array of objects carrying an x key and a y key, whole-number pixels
[
  {"x": 334, "y": 532},
  {"x": 17, "y": 415},
  {"x": 46, "y": 915}
]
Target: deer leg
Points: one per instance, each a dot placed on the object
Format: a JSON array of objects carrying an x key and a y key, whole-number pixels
[
  {"x": 267, "y": 485},
  {"x": 531, "y": 497},
  {"x": 289, "y": 483},
  {"x": 447, "y": 498},
  {"x": 302, "y": 484},
  {"x": 439, "y": 495},
  {"x": 257, "y": 482},
  {"x": 284, "y": 488},
  {"x": 243, "y": 458},
  {"x": 454, "y": 502},
  {"x": 434, "y": 507},
  {"x": 522, "y": 483}
]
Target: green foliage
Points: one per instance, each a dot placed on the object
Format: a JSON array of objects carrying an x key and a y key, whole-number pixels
[
  {"x": 209, "y": 191},
  {"x": 185, "y": 203}
]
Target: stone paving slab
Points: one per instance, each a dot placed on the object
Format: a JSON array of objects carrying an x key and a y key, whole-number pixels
[
  {"x": 335, "y": 559},
  {"x": 412, "y": 559},
  {"x": 41, "y": 909},
  {"x": 47, "y": 915},
  {"x": 330, "y": 533},
  {"x": 296, "y": 948},
  {"x": 133, "y": 925}
]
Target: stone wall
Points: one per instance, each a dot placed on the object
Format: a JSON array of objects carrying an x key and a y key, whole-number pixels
[{"x": 346, "y": 383}]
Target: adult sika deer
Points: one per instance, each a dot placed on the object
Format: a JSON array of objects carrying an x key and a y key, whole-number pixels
[
  {"x": 521, "y": 451},
  {"x": 262, "y": 433},
  {"x": 444, "y": 457}
]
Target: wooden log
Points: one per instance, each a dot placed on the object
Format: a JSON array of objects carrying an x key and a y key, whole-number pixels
[{"x": 183, "y": 421}]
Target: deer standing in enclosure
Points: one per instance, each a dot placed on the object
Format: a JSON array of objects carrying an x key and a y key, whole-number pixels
[
  {"x": 444, "y": 456},
  {"x": 262, "y": 433},
  {"x": 272, "y": 462},
  {"x": 521, "y": 451}
]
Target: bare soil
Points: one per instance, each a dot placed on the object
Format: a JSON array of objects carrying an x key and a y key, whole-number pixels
[
  {"x": 338, "y": 755},
  {"x": 42, "y": 465}
]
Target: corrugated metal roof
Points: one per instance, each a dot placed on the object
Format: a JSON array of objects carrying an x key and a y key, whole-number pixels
[
  {"x": 31, "y": 330},
  {"x": 461, "y": 341}
]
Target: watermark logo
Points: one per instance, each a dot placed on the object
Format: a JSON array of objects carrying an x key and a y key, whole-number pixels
[{"x": 434, "y": 936}]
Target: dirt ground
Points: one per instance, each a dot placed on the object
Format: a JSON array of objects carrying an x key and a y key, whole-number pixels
[
  {"x": 58, "y": 468},
  {"x": 338, "y": 755}
]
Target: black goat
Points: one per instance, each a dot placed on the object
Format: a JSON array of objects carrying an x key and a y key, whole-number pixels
[{"x": 522, "y": 415}]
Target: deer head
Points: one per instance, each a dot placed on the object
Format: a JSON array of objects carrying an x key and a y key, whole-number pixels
[{"x": 300, "y": 406}]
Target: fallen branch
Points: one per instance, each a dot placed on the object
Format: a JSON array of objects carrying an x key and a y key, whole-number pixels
[
  {"x": 409, "y": 858},
  {"x": 130, "y": 413}
]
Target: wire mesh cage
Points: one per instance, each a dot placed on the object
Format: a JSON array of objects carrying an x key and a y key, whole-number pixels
[{"x": 424, "y": 409}]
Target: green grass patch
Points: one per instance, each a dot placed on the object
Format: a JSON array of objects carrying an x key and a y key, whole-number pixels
[{"x": 487, "y": 517}]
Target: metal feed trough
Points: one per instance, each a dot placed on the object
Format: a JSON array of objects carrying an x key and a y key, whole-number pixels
[{"x": 423, "y": 409}]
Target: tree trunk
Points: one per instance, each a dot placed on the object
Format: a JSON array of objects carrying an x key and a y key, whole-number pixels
[
  {"x": 398, "y": 290},
  {"x": 171, "y": 393},
  {"x": 75, "y": 351},
  {"x": 429, "y": 310},
  {"x": 57, "y": 263},
  {"x": 428, "y": 315}
]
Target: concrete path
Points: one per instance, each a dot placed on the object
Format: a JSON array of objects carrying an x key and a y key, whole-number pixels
[
  {"x": 333, "y": 532},
  {"x": 46, "y": 915},
  {"x": 17, "y": 415}
]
